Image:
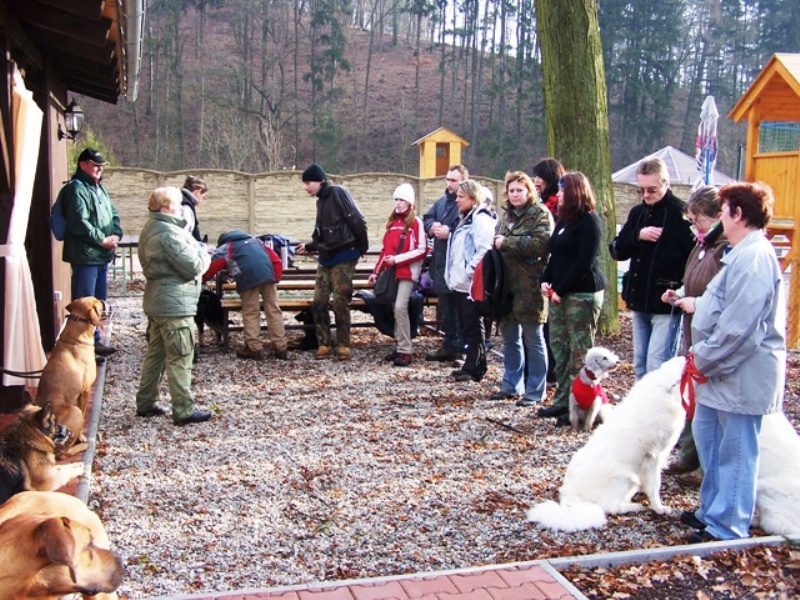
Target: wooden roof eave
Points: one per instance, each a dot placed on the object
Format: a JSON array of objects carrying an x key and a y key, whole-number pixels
[{"x": 776, "y": 67}]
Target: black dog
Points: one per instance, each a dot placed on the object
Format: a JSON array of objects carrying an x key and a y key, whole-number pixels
[
  {"x": 209, "y": 312},
  {"x": 309, "y": 339}
]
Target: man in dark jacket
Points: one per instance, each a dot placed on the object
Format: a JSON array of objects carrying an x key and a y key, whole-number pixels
[
  {"x": 657, "y": 239},
  {"x": 340, "y": 239},
  {"x": 93, "y": 232},
  {"x": 439, "y": 221}
]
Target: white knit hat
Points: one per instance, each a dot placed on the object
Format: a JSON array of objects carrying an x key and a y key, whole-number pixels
[{"x": 405, "y": 191}]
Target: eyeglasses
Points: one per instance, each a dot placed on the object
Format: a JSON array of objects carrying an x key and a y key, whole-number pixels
[
  {"x": 653, "y": 189},
  {"x": 699, "y": 220}
]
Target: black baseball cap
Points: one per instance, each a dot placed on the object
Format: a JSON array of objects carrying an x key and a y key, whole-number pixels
[{"x": 92, "y": 155}]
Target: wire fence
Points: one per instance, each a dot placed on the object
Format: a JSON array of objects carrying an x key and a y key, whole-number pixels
[{"x": 779, "y": 137}]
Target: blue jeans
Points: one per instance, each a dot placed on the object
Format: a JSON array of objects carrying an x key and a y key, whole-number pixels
[
  {"x": 727, "y": 444},
  {"x": 655, "y": 340},
  {"x": 90, "y": 280},
  {"x": 448, "y": 323},
  {"x": 523, "y": 345}
]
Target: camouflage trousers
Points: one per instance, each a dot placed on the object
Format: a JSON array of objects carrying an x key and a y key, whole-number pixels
[
  {"x": 573, "y": 324},
  {"x": 337, "y": 281}
]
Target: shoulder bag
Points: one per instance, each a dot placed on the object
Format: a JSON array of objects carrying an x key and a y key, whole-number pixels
[{"x": 386, "y": 283}]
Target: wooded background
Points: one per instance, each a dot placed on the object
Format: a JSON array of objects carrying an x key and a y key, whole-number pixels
[{"x": 262, "y": 85}]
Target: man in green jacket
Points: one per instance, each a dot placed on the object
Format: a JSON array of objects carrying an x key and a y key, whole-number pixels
[
  {"x": 93, "y": 232},
  {"x": 172, "y": 262}
]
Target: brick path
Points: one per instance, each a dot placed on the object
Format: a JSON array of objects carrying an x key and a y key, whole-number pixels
[{"x": 524, "y": 581}]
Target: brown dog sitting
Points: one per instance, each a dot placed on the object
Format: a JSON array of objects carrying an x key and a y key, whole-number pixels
[
  {"x": 70, "y": 373},
  {"x": 52, "y": 545},
  {"x": 27, "y": 454}
]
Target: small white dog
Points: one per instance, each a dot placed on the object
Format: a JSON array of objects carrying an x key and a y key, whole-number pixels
[
  {"x": 623, "y": 456},
  {"x": 778, "y": 487},
  {"x": 586, "y": 395}
]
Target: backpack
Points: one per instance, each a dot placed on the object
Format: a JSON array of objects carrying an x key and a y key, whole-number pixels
[
  {"x": 491, "y": 287},
  {"x": 58, "y": 222},
  {"x": 278, "y": 243}
]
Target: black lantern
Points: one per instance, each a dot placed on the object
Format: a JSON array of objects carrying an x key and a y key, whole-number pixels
[{"x": 73, "y": 121}]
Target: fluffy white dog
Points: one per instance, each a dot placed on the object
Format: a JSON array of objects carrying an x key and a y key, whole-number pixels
[
  {"x": 778, "y": 487},
  {"x": 586, "y": 395},
  {"x": 624, "y": 455}
]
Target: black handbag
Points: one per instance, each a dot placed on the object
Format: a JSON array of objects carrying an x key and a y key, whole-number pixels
[{"x": 386, "y": 283}]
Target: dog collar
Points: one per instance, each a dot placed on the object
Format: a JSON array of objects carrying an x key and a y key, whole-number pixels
[
  {"x": 71, "y": 317},
  {"x": 590, "y": 373}
]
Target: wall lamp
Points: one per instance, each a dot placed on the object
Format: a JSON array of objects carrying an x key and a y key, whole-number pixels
[{"x": 73, "y": 122}]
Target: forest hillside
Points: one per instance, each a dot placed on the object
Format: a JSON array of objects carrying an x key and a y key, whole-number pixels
[{"x": 260, "y": 86}]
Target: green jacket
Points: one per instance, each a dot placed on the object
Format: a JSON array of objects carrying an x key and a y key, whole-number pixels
[
  {"x": 527, "y": 238},
  {"x": 90, "y": 219},
  {"x": 172, "y": 263}
]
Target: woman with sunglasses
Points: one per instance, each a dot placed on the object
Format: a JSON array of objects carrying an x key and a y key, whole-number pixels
[{"x": 574, "y": 283}]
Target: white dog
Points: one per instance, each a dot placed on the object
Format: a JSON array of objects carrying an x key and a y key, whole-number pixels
[
  {"x": 778, "y": 487},
  {"x": 586, "y": 395},
  {"x": 623, "y": 456}
]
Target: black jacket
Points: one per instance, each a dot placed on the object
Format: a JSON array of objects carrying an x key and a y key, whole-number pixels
[
  {"x": 339, "y": 225},
  {"x": 444, "y": 211},
  {"x": 654, "y": 266},
  {"x": 191, "y": 202},
  {"x": 574, "y": 265}
]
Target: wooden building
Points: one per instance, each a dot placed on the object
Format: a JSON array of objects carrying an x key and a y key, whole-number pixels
[
  {"x": 438, "y": 150},
  {"x": 771, "y": 105},
  {"x": 51, "y": 50}
]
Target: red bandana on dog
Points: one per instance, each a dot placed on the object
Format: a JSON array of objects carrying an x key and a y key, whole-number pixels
[{"x": 585, "y": 393}]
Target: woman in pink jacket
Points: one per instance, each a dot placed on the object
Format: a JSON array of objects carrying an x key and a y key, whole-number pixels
[{"x": 407, "y": 260}]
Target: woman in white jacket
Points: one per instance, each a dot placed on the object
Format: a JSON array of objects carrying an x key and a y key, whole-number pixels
[{"x": 469, "y": 241}]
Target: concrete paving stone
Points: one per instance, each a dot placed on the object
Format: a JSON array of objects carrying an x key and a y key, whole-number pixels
[
  {"x": 552, "y": 589},
  {"x": 472, "y": 581},
  {"x": 524, "y": 574},
  {"x": 526, "y": 591},
  {"x": 327, "y": 593},
  {"x": 428, "y": 586},
  {"x": 285, "y": 595},
  {"x": 386, "y": 590},
  {"x": 477, "y": 594}
]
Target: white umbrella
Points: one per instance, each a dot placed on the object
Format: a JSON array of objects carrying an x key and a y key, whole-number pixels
[{"x": 706, "y": 146}]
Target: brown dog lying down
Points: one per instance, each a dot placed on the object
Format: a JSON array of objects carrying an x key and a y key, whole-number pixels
[
  {"x": 51, "y": 545},
  {"x": 70, "y": 373},
  {"x": 27, "y": 454}
]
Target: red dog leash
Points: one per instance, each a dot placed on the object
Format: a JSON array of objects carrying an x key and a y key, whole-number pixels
[{"x": 690, "y": 375}]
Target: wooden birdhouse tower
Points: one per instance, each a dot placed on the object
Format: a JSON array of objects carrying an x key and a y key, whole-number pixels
[{"x": 438, "y": 150}]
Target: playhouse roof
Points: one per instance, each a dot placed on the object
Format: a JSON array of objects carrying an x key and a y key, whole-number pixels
[
  {"x": 682, "y": 168},
  {"x": 443, "y": 135},
  {"x": 776, "y": 90}
]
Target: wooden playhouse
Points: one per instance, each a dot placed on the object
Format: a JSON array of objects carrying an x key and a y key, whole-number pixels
[{"x": 771, "y": 107}]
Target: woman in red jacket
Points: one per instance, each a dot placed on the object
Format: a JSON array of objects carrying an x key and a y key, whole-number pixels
[{"x": 403, "y": 223}]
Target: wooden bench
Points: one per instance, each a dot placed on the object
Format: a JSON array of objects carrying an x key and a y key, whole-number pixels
[
  {"x": 234, "y": 304},
  {"x": 289, "y": 303},
  {"x": 295, "y": 294}
]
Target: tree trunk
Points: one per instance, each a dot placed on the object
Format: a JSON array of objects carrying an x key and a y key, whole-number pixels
[
  {"x": 577, "y": 114},
  {"x": 363, "y": 137}
]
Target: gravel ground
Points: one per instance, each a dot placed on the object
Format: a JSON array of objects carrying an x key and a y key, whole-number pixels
[{"x": 318, "y": 470}]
